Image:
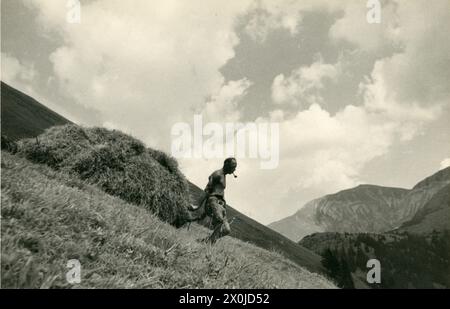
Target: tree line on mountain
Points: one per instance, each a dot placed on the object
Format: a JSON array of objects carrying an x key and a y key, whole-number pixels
[{"x": 407, "y": 260}]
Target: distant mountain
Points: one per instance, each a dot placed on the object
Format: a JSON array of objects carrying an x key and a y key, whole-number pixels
[
  {"x": 302, "y": 223},
  {"x": 422, "y": 192},
  {"x": 434, "y": 216},
  {"x": 416, "y": 255},
  {"x": 365, "y": 208},
  {"x": 22, "y": 116}
]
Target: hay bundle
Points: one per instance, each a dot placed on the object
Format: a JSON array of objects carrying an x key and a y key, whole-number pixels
[{"x": 118, "y": 164}]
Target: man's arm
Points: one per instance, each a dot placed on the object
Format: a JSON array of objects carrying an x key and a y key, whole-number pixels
[{"x": 209, "y": 185}]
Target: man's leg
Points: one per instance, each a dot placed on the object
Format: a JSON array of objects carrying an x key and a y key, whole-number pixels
[
  {"x": 220, "y": 222},
  {"x": 221, "y": 229}
]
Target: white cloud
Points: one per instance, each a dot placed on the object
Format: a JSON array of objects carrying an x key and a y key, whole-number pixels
[
  {"x": 160, "y": 59},
  {"x": 353, "y": 26},
  {"x": 328, "y": 151},
  {"x": 223, "y": 106},
  {"x": 413, "y": 81},
  {"x": 411, "y": 86},
  {"x": 13, "y": 71},
  {"x": 445, "y": 163},
  {"x": 302, "y": 88},
  {"x": 268, "y": 16},
  {"x": 410, "y": 116},
  {"x": 405, "y": 92},
  {"x": 23, "y": 77},
  {"x": 325, "y": 153}
]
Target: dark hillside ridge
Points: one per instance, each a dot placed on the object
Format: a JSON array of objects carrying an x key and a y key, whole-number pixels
[{"x": 23, "y": 116}]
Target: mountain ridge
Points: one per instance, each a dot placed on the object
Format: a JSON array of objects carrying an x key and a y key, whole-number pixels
[
  {"x": 364, "y": 208},
  {"x": 434, "y": 216}
]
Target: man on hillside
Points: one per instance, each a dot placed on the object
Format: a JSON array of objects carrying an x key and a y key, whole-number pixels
[{"x": 214, "y": 202}]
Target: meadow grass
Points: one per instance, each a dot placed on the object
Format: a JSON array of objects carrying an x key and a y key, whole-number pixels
[{"x": 50, "y": 216}]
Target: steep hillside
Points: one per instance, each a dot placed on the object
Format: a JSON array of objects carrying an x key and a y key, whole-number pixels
[
  {"x": 366, "y": 209},
  {"x": 22, "y": 110},
  {"x": 22, "y": 116},
  {"x": 50, "y": 217},
  {"x": 422, "y": 192},
  {"x": 434, "y": 216}
]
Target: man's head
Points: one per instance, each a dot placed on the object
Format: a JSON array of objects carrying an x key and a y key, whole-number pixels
[{"x": 229, "y": 165}]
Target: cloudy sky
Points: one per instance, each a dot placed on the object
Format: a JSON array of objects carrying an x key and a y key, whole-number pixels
[{"x": 355, "y": 102}]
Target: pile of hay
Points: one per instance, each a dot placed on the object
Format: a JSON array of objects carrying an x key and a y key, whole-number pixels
[
  {"x": 8, "y": 144},
  {"x": 117, "y": 163}
]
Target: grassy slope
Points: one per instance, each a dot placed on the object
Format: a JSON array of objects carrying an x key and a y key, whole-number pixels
[
  {"x": 22, "y": 116},
  {"x": 49, "y": 217},
  {"x": 247, "y": 229}
]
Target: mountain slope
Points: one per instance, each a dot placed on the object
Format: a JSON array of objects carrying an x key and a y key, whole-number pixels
[
  {"x": 366, "y": 208},
  {"x": 50, "y": 217},
  {"x": 22, "y": 116},
  {"x": 416, "y": 255},
  {"x": 422, "y": 192},
  {"x": 434, "y": 216},
  {"x": 25, "y": 117},
  {"x": 301, "y": 223}
]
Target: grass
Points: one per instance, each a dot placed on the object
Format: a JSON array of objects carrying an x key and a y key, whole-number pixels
[{"x": 50, "y": 216}]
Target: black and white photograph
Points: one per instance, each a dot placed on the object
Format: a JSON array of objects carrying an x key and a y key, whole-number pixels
[{"x": 255, "y": 145}]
